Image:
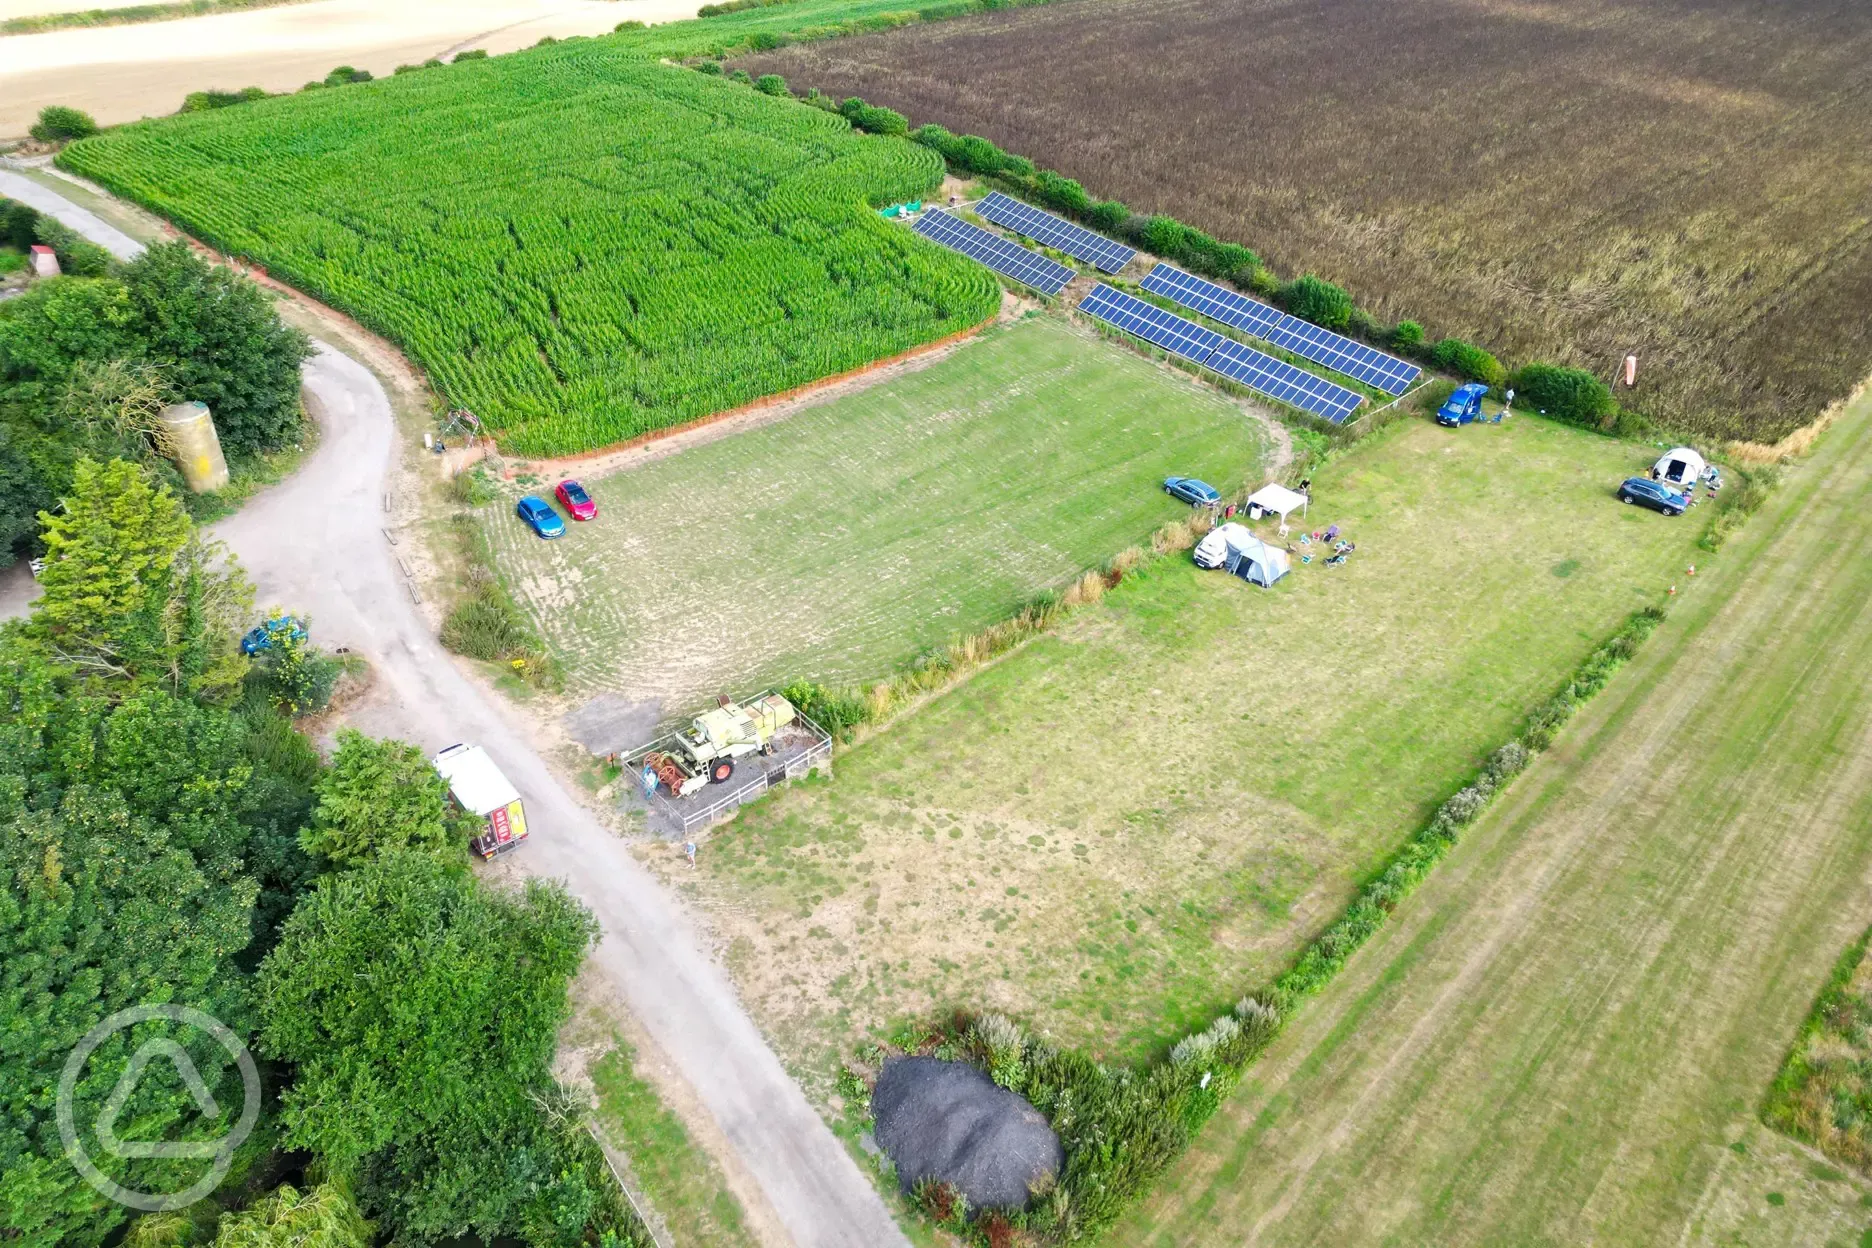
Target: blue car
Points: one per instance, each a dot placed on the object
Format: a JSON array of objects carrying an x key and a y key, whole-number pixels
[
  {"x": 1463, "y": 406},
  {"x": 1653, "y": 494},
  {"x": 540, "y": 516},
  {"x": 1190, "y": 490}
]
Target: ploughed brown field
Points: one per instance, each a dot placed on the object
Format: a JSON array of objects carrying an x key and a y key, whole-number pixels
[{"x": 1573, "y": 180}]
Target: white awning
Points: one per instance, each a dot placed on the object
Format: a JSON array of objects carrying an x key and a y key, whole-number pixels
[
  {"x": 474, "y": 779},
  {"x": 1278, "y": 499}
]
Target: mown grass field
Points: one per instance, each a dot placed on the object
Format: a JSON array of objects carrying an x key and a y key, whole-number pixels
[
  {"x": 576, "y": 242},
  {"x": 1682, "y": 179},
  {"x": 846, "y": 539},
  {"x": 1121, "y": 827},
  {"x": 1567, "y": 1034}
]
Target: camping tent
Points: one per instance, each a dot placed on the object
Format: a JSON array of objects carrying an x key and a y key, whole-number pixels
[
  {"x": 1682, "y": 466},
  {"x": 1257, "y": 562},
  {"x": 1277, "y": 499}
]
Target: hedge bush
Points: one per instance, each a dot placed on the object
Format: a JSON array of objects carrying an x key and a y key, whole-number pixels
[
  {"x": 1315, "y": 299},
  {"x": 771, "y": 84},
  {"x": 1569, "y": 394},
  {"x": 59, "y": 124},
  {"x": 1453, "y": 355},
  {"x": 874, "y": 120}
]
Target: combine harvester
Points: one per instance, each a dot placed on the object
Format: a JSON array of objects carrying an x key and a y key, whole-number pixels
[{"x": 705, "y": 754}]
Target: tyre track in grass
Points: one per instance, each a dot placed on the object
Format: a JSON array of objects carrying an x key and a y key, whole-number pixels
[{"x": 1558, "y": 1034}]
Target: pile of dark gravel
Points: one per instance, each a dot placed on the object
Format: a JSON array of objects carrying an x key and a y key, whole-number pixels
[{"x": 949, "y": 1121}]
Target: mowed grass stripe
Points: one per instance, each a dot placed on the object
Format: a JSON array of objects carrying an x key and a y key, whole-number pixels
[
  {"x": 1117, "y": 830},
  {"x": 1568, "y": 1023},
  {"x": 846, "y": 539}
]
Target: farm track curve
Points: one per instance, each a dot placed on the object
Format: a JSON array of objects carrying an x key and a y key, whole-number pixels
[
  {"x": 316, "y": 542},
  {"x": 1563, "y": 1036}
]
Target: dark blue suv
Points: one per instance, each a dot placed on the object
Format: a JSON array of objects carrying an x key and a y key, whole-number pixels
[{"x": 1652, "y": 494}]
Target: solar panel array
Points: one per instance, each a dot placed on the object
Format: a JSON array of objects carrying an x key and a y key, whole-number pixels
[
  {"x": 1048, "y": 277},
  {"x": 1259, "y": 372},
  {"x": 1056, "y": 232},
  {"x": 1289, "y": 333}
]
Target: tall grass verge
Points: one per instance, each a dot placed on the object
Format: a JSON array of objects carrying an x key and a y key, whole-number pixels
[
  {"x": 485, "y": 622},
  {"x": 1823, "y": 1094}
]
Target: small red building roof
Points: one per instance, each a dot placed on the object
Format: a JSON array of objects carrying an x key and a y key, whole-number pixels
[{"x": 39, "y": 249}]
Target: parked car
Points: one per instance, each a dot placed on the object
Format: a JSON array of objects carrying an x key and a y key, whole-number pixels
[
  {"x": 540, "y": 516},
  {"x": 578, "y": 504},
  {"x": 1653, "y": 494},
  {"x": 1463, "y": 406},
  {"x": 1190, "y": 490}
]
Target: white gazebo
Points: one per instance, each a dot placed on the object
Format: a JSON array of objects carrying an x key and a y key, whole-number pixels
[{"x": 1277, "y": 500}]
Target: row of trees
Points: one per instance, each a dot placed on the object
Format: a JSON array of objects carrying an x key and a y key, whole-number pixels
[
  {"x": 89, "y": 360},
  {"x": 167, "y": 837}
]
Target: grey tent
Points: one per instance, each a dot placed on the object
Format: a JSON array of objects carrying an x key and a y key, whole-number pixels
[{"x": 1257, "y": 562}]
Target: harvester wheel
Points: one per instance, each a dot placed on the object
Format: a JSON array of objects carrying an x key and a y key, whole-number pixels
[{"x": 720, "y": 770}]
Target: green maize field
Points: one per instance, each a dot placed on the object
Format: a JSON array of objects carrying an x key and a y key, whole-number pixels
[{"x": 577, "y": 243}]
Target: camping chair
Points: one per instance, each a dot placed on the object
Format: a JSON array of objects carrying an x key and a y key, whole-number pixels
[
  {"x": 1329, "y": 534},
  {"x": 1283, "y": 529}
]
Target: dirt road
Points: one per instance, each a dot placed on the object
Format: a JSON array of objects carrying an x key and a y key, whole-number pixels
[
  {"x": 1564, "y": 1035},
  {"x": 316, "y": 543}
]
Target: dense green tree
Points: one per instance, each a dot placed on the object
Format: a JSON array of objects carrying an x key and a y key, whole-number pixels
[
  {"x": 22, "y": 495},
  {"x": 131, "y": 595},
  {"x": 378, "y": 797},
  {"x": 124, "y": 830},
  {"x": 325, "y": 1217},
  {"x": 1570, "y": 394},
  {"x": 221, "y": 342},
  {"x": 46, "y": 332},
  {"x": 419, "y": 1009}
]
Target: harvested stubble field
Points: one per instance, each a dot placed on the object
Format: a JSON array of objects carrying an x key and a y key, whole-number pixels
[
  {"x": 844, "y": 540},
  {"x": 1115, "y": 831},
  {"x": 1566, "y": 1034},
  {"x": 579, "y": 244},
  {"x": 1686, "y": 179}
]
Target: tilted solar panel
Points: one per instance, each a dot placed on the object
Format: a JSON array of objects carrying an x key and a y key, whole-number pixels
[
  {"x": 1259, "y": 372},
  {"x": 1151, "y": 323},
  {"x": 1049, "y": 277},
  {"x": 1213, "y": 301},
  {"x": 1057, "y": 232},
  {"x": 1286, "y": 382},
  {"x": 1289, "y": 333}
]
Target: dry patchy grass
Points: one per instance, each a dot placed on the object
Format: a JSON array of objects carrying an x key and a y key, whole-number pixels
[{"x": 1115, "y": 830}]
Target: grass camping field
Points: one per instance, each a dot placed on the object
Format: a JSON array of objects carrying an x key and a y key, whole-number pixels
[
  {"x": 846, "y": 539},
  {"x": 1681, "y": 179},
  {"x": 1567, "y": 1033},
  {"x": 577, "y": 243},
  {"x": 1117, "y": 829}
]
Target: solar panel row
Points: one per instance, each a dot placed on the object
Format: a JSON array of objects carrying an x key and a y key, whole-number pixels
[
  {"x": 1048, "y": 277},
  {"x": 1289, "y": 333},
  {"x": 1057, "y": 232},
  {"x": 1259, "y": 372}
]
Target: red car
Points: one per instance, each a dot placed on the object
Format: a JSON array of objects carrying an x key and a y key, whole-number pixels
[{"x": 575, "y": 500}]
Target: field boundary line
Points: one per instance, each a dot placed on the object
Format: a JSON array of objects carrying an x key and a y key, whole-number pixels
[{"x": 800, "y": 392}]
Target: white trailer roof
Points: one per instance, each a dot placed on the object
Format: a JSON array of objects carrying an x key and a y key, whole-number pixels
[{"x": 474, "y": 779}]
